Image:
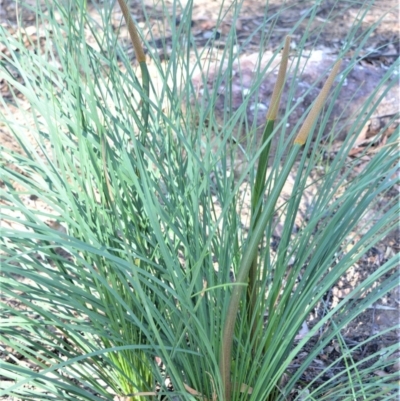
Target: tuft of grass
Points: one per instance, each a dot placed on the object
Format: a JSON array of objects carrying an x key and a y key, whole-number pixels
[{"x": 138, "y": 254}]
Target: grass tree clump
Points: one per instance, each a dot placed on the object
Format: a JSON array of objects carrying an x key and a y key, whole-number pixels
[{"x": 136, "y": 267}]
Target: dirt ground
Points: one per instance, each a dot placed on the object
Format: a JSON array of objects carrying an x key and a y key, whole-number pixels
[{"x": 381, "y": 50}]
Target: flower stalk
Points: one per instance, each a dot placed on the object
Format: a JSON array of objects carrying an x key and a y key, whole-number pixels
[
  {"x": 258, "y": 191},
  {"x": 141, "y": 58},
  {"x": 317, "y": 106},
  {"x": 263, "y": 216}
]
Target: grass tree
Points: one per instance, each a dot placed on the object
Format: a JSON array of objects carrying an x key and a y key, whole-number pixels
[{"x": 136, "y": 267}]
